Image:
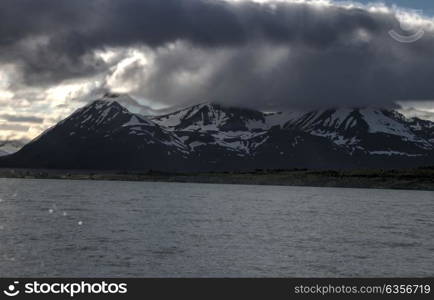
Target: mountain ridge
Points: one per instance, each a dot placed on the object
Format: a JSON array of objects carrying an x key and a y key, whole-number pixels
[{"x": 213, "y": 137}]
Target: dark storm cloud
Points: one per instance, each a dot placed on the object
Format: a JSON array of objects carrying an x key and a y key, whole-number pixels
[
  {"x": 324, "y": 55},
  {"x": 31, "y": 33}
]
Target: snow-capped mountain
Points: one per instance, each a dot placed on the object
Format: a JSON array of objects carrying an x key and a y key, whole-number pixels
[
  {"x": 423, "y": 128},
  {"x": 213, "y": 117},
  {"x": 368, "y": 130},
  {"x": 103, "y": 135},
  {"x": 214, "y": 126},
  {"x": 108, "y": 118},
  {"x": 212, "y": 137}
]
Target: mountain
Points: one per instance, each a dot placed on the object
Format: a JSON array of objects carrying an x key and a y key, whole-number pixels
[
  {"x": 359, "y": 137},
  {"x": 103, "y": 135},
  {"x": 10, "y": 147},
  {"x": 217, "y": 136},
  {"x": 367, "y": 131},
  {"x": 213, "y": 117},
  {"x": 212, "y": 137},
  {"x": 227, "y": 138},
  {"x": 423, "y": 128}
]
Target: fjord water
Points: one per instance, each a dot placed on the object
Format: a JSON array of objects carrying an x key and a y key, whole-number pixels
[{"x": 102, "y": 228}]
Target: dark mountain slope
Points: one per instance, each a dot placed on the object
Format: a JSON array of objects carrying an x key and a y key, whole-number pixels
[{"x": 103, "y": 135}]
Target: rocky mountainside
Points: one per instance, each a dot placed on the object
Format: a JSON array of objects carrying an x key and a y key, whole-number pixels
[
  {"x": 102, "y": 135},
  {"x": 365, "y": 132}
]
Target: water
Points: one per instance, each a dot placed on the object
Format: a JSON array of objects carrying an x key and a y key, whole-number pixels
[{"x": 100, "y": 228}]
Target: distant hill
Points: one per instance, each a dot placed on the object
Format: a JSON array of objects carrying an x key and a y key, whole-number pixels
[{"x": 10, "y": 146}]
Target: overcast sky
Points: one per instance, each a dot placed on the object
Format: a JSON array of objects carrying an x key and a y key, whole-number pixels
[
  {"x": 427, "y": 6},
  {"x": 56, "y": 55}
]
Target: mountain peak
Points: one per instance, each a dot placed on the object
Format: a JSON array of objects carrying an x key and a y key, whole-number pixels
[
  {"x": 211, "y": 116},
  {"x": 112, "y": 95},
  {"x": 103, "y": 103},
  {"x": 110, "y": 101},
  {"x": 116, "y": 97},
  {"x": 102, "y": 112}
]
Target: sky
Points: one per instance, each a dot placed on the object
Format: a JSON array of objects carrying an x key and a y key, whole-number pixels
[
  {"x": 427, "y": 6},
  {"x": 271, "y": 55}
]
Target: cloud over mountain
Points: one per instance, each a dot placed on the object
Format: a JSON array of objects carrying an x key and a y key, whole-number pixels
[{"x": 268, "y": 55}]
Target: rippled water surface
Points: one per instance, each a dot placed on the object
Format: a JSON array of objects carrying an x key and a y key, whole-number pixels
[{"x": 100, "y": 228}]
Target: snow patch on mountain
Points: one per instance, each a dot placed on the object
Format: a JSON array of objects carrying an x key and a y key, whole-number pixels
[
  {"x": 379, "y": 122},
  {"x": 390, "y": 153},
  {"x": 212, "y": 117}
]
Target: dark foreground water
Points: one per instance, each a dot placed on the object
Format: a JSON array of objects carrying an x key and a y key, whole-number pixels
[{"x": 97, "y": 228}]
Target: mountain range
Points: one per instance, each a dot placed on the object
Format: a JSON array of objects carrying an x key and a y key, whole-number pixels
[
  {"x": 10, "y": 146},
  {"x": 104, "y": 135}
]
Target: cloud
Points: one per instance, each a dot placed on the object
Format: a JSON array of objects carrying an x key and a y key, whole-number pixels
[
  {"x": 412, "y": 112},
  {"x": 18, "y": 118},
  {"x": 271, "y": 55},
  {"x": 14, "y": 127},
  {"x": 423, "y": 110}
]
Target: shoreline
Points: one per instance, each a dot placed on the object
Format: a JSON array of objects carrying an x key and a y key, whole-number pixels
[{"x": 406, "y": 179}]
